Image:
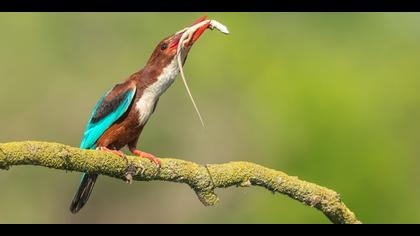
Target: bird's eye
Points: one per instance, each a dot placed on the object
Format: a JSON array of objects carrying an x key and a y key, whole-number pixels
[{"x": 164, "y": 46}]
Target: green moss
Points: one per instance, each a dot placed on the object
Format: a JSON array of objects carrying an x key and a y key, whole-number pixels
[
  {"x": 203, "y": 179},
  {"x": 3, "y": 164}
]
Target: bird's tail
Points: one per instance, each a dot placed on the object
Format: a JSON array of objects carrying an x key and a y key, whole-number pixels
[{"x": 83, "y": 193}]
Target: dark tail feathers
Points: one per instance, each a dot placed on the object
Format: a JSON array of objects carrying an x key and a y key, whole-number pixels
[{"x": 83, "y": 193}]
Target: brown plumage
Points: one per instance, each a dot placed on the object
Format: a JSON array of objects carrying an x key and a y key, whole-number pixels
[{"x": 148, "y": 85}]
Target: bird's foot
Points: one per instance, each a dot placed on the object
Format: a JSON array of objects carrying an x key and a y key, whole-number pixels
[
  {"x": 130, "y": 170},
  {"x": 116, "y": 152},
  {"x": 146, "y": 155}
]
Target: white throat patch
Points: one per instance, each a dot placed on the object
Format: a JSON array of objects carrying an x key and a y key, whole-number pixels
[{"x": 150, "y": 95}]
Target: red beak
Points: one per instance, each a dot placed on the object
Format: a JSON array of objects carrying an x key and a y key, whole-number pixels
[
  {"x": 201, "y": 30},
  {"x": 200, "y": 20},
  {"x": 196, "y": 34}
]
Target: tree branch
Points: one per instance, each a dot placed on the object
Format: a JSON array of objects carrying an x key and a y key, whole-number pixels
[{"x": 202, "y": 179}]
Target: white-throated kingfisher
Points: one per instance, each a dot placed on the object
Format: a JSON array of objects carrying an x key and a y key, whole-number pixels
[{"x": 121, "y": 114}]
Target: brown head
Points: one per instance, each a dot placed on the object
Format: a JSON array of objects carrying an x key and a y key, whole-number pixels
[
  {"x": 167, "y": 60},
  {"x": 167, "y": 50}
]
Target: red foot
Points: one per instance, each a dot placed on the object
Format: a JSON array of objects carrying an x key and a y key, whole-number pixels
[
  {"x": 146, "y": 155},
  {"x": 116, "y": 152}
]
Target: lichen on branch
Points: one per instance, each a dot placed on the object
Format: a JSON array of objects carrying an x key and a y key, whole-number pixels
[{"x": 202, "y": 179}]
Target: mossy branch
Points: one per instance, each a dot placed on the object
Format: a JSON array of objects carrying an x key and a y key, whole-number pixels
[{"x": 202, "y": 179}]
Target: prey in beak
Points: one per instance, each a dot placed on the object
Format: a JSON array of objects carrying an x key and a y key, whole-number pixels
[
  {"x": 184, "y": 39},
  {"x": 189, "y": 35}
]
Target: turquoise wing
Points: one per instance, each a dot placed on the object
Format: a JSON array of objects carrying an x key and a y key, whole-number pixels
[{"x": 106, "y": 112}]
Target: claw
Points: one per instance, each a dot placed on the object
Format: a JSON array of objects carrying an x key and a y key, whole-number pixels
[
  {"x": 131, "y": 169},
  {"x": 146, "y": 155}
]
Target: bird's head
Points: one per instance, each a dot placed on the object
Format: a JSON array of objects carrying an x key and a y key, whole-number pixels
[
  {"x": 168, "y": 49},
  {"x": 170, "y": 54}
]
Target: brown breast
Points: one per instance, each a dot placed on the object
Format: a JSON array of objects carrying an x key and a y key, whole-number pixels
[{"x": 127, "y": 129}]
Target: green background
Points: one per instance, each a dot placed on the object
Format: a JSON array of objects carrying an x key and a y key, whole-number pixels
[{"x": 330, "y": 97}]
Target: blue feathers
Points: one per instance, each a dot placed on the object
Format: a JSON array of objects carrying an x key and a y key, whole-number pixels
[
  {"x": 109, "y": 109},
  {"x": 105, "y": 113}
]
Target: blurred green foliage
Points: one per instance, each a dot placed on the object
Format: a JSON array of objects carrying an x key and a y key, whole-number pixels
[{"x": 330, "y": 97}]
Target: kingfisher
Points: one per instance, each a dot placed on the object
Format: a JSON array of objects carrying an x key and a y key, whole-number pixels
[{"x": 120, "y": 115}]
